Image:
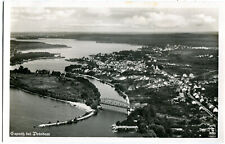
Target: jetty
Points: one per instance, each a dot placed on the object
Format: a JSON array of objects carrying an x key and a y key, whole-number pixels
[{"x": 85, "y": 116}]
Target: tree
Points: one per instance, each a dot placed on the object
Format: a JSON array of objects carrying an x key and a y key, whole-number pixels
[
  {"x": 84, "y": 95},
  {"x": 148, "y": 113},
  {"x": 205, "y": 134},
  {"x": 119, "y": 87},
  {"x": 195, "y": 121},
  {"x": 158, "y": 129},
  {"x": 142, "y": 128},
  {"x": 118, "y": 123},
  {"x": 94, "y": 104},
  {"x": 88, "y": 102},
  {"x": 91, "y": 73},
  {"x": 22, "y": 70},
  {"x": 56, "y": 73},
  {"x": 150, "y": 133}
]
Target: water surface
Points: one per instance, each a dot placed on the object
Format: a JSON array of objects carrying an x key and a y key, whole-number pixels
[
  {"x": 28, "y": 110},
  {"x": 77, "y": 49}
]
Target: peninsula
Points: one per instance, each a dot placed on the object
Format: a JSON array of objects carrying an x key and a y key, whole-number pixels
[
  {"x": 17, "y": 48},
  {"x": 56, "y": 85}
]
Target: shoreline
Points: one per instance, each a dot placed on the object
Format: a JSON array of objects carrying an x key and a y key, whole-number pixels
[
  {"x": 33, "y": 59},
  {"x": 121, "y": 93},
  {"x": 79, "y": 105}
]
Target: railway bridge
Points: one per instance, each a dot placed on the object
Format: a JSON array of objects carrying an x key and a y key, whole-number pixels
[{"x": 115, "y": 105}]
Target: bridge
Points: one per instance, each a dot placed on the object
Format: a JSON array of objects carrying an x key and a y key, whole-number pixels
[
  {"x": 115, "y": 105},
  {"x": 122, "y": 105}
]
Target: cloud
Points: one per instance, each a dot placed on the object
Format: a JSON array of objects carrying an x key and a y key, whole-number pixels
[
  {"x": 157, "y": 20},
  {"x": 40, "y": 13},
  {"x": 99, "y": 11},
  {"x": 164, "y": 20},
  {"x": 201, "y": 19},
  {"x": 205, "y": 18},
  {"x": 114, "y": 19},
  {"x": 137, "y": 20}
]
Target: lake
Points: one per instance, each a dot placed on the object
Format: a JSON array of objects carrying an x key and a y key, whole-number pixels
[
  {"x": 28, "y": 110},
  {"x": 77, "y": 49}
]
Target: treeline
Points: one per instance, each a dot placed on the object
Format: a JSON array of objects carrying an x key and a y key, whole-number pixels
[
  {"x": 27, "y": 45},
  {"x": 192, "y": 39},
  {"x": 90, "y": 101},
  {"x": 22, "y": 70},
  {"x": 21, "y": 57},
  {"x": 71, "y": 67},
  {"x": 149, "y": 124}
]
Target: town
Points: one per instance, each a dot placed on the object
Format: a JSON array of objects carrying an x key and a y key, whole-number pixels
[{"x": 180, "y": 83}]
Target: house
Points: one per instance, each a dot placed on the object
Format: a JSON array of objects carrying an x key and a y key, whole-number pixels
[
  {"x": 191, "y": 75},
  {"x": 215, "y": 110},
  {"x": 201, "y": 100},
  {"x": 194, "y": 102},
  {"x": 215, "y": 99},
  {"x": 130, "y": 88},
  {"x": 184, "y": 75},
  {"x": 181, "y": 94},
  {"x": 210, "y": 106},
  {"x": 122, "y": 78},
  {"x": 86, "y": 70}
]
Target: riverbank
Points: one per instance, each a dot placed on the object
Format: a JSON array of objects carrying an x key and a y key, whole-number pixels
[
  {"x": 20, "y": 58},
  {"x": 56, "y": 85},
  {"x": 78, "y": 105},
  {"x": 121, "y": 93},
  {"x": 45, "y": 85}
]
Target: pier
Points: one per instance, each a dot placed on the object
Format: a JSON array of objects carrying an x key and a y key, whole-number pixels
[{"x": 85, "y": 116}]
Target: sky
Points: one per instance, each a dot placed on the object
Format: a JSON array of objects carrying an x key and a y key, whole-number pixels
[{"x": 113, "y": 20}]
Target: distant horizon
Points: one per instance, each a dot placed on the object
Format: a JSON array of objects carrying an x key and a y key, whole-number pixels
[{"x": 114, "y": 20}]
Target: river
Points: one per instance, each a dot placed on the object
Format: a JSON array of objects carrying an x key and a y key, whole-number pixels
[{"x": 28, "y": 110}]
